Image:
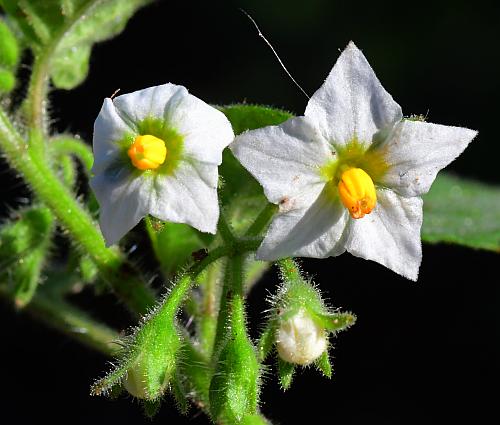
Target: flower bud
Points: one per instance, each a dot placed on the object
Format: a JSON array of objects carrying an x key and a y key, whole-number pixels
[{"x": 300, "y": 340}]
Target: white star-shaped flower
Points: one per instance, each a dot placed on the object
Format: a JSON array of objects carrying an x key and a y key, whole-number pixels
[
  {"x": 157, "y": 152},
  {"x": 348, "y": 175}
]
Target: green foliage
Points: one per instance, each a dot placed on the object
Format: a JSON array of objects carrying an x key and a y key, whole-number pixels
[
  {"x": 67, "y": 29},
  {"x": 24, "y": 245},
  {"x": 462, "y": 211},
  {"x": 173, "y": 243},
  {"x": 9, "y": 58}
]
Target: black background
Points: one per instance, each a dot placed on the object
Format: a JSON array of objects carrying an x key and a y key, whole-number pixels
[{"x": 422, "y": 352}]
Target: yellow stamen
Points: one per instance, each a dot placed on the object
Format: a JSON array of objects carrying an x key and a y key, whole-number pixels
[
  {"x": 357, "y": 192},
  {"x": 147, "y": 152}
]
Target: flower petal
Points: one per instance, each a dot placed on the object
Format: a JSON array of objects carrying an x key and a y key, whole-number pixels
[
  {"x": 189, "y": 196},
  {"x": 109, "y": 127},
  {"x": 315, "y": 231},
  {"x": 352, "y": 104},
  {"x": 206, "y": 130},
  {"x": 416, "y": 151},
  {"x": 285, "y": 159},
  {"x": 148, "y": 103},
  {"x": 123, "y": 201},
  {"x": 390, "y": 234}
]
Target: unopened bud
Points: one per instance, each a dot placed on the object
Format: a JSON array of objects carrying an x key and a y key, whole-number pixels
[{"x": 300, "y": 340}]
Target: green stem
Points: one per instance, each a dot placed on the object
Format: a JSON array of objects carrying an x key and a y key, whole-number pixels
[
  {"x": 262, "y": 220},
  {"x": 231, "y": 297},
  {"x": 52, "y": 192},
  {"x": 67, "y": 145},
  {"x": 209, "y": 308},
  {"x": 60, "y": 315},
  {"x": 225, "y": 230}
]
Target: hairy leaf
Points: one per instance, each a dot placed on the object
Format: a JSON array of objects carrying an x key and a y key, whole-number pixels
[
  {"x": 462, "y": 211},
  {"x": 65, "y": 30}
]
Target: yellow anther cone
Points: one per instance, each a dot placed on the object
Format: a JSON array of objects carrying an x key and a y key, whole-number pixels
[
  {"x": 357, "y": 192},
  {"x": 147, "y": 152}
]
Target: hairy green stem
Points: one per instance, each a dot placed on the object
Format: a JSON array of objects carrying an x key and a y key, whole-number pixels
[
  {"x": 62, "y": 316},
  {"x": 68, "y": 145},
  {"x": 231, "y": 297},
  {"x": 262, "y": 220},
  {"x": 52, "y": 192}
]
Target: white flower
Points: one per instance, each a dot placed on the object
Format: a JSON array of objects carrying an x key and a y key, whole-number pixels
[
  {"x": 300, "y": 340},
  {"x": 156, "y": 152},
  {"x": 349, "y": 174}
]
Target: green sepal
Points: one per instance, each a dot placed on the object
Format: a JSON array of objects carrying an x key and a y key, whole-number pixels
[
  {"x": 151, "y": 407},
  {"x": 174, "y": 244},
  {"x": 267, "y": 339},
  {"x": 24, "y": 246},
  {"x": 235, "y": 384},
  {"x": 323, "y": 364},
  {"x": 254, "y": 420},
  {"x": 195, "y": 368},
  {"x": 179, "y": 392},
  {"x": 151, "y": 354},
  {"x": 285, "y": 373},
  {"x": 336, "y": 321}
]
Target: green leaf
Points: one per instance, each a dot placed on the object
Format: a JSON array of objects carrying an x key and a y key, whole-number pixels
[
  {"x": 462, "y": 211},
  {"x": 173, "y": 243},
  {"x": 65, "y": 30},
  {"x": 24, "y": 245}
]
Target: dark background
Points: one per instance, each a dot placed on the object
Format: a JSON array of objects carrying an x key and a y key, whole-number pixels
[{"x": 422, "y": 352}]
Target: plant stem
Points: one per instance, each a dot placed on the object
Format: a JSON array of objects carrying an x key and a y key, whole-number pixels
[
  {"x": 67, "y": 145},
  {"x": 52, "y": 192},
  {"x": 62, "y": 316},
  {"x": 262, "y": 220}
]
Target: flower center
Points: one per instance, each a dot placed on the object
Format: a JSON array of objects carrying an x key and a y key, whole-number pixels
[
  {"x": 147, "y": 152},
  {"x": 357, "y": 192}
]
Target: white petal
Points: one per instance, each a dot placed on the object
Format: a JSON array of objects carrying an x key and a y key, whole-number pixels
[
  {"x": 206, "y": 130},
  {"x": 316, "y": 231},
  {"x": 123, "y": 201},
  {"x": 416, "y": 151},
  {"x": 189, "y": 196},
  {"x": 352, "y": 103},
  {"x": 109, "y": 127},
  {"x": 285, "y": 159},
  {"x": 148, "y": 103},
  {"x": 390, "y": 234}
]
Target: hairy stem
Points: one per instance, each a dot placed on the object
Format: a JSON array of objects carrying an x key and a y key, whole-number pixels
[
  {"x": 52, "y": 192},
  {"x": 262, "y": 220},
  {"x": 68, "y": 145}
]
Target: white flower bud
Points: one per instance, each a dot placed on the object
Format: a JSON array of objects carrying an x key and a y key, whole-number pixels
[{"x": 300, "y": 340}]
